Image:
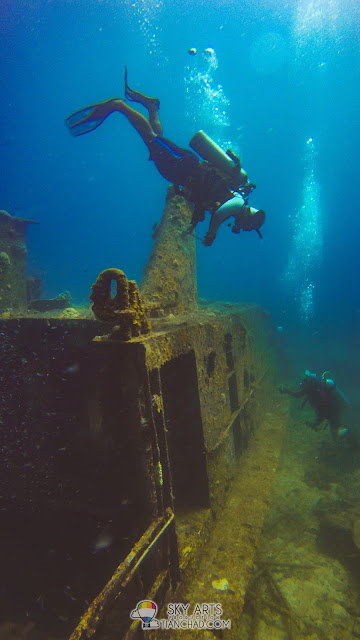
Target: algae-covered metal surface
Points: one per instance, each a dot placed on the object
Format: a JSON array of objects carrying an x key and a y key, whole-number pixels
[
  {"x": 139, "y": 450},
  {"x": 222, "y": 570},
  {"x": 123, "y": 430},
  {"x": 13, "y": 254},
  {"x": 169, "y": 280}
]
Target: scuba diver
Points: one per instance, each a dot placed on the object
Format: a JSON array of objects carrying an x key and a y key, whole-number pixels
[
  {"x": 328, "y": 401},
  {"x": 218, "y": 184}
]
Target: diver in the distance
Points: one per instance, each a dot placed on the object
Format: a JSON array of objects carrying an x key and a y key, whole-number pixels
[
  {"x": 218, "y": 184},
  {"x": 329, "y": 403}
]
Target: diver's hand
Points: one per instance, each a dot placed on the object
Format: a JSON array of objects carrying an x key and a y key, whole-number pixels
[{"x": 208, "y": 240}]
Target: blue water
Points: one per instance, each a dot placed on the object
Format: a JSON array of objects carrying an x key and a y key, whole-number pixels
[{"x": 282, "y": 73}]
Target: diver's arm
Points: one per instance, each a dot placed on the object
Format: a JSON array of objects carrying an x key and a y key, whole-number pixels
[
  {"x": 296, "y": 394},
  {"x": 230, "y": 208},
  {"x": 198, "y": 214}
]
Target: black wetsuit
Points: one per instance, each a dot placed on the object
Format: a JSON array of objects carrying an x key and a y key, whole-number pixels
[
  {"x": 203, "y": 184},
  {"x": 208, "y": 189},
  {"x": 327, "y": 400},
  {"x": 175, "y": 164}
]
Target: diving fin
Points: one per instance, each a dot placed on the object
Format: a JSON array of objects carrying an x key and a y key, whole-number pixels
[
  {"x": 89, "y": 118},
  {"x": 81, "y": 122}
]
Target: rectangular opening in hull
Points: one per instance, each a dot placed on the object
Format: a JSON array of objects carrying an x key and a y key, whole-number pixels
[{"x": 184, "y": 429}]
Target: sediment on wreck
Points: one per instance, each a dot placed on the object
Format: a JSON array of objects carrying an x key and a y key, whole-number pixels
[
  {"x": 169, "y": 280},
  {"x": 153, "y": 452},
  {"x": 13, "y": 255}
]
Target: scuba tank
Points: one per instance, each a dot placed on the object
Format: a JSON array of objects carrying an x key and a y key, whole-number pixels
[
  {"x": 228, "y": 163},
  {"x": 326, "y": 383},
  {"x": 332, "y": 385}
]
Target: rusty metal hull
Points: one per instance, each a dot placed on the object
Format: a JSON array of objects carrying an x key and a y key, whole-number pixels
[{"x": 165, "y": 433}]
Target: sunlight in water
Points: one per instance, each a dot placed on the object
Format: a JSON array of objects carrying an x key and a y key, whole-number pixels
[
  {"x": 148, "y": 15},
  {"x": 316, "y": 31},
  {"x": 206, "y": 103},
  {"x": 307, "y": 241},
  {"x": 268, "y": 52}
]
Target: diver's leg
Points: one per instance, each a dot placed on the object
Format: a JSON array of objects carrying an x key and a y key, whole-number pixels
[
  {"x": 339, "y": 431},
  {"x": 351, "y": 438},
  {"x": 138, "y": 121},
  {"x": 151, "y": 104},
  {"x": 316, "y": 424},
  {"x": 155, "y": 120}
]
